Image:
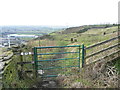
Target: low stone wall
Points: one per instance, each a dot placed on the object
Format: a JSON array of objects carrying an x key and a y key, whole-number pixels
[{"x": 3, "y": 64}]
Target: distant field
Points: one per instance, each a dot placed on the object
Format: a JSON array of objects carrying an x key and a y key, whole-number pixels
[{"x": 37, "y": 30}]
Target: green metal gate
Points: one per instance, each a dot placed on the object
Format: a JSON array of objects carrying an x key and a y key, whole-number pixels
[{"x": 52, "y": 60}]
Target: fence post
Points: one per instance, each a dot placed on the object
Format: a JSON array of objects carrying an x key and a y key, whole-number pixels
[
  {"x": 83, "y": 55},
  {"x": 39, "y": 42},
  {"x": 21, "y": 60},
  {"x": 79, "y": 56},
  {"x": 35, "y": 61}
]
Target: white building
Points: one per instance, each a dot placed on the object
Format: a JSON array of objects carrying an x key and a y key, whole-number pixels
[{"x": 22, "y": 35}]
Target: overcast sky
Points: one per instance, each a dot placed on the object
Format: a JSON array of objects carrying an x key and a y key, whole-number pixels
[{"x": 58, "y": 12}]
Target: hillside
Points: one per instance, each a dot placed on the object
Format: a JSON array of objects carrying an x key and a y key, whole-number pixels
[
  {"x": 87, "y": 35},
  {"x": 91, "y": 36},
  {"x": 84, "y": 28}
]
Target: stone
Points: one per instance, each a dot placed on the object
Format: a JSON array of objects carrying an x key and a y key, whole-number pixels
[{"x": 77, "y": 85}]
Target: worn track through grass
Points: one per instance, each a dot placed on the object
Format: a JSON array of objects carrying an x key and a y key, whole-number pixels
[{"x": 51, "y": 82}]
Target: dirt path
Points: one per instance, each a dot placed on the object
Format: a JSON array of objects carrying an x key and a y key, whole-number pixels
[
  {"x": 48, "y": 83},
  {"x": 51, "y": 82}
]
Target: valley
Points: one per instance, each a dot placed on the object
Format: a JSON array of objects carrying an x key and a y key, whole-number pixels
[{"x": 87, "y": 35}]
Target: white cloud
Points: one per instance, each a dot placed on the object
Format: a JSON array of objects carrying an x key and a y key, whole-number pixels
[{"x": 57, "y": 12}]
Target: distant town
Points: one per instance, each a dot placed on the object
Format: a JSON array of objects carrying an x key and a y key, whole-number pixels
[
  {"x": 14, "y": 35},
  {"x": 14, "y": 39}
]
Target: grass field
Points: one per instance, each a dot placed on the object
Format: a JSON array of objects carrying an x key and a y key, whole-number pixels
[{"x": 87, "y": 38}]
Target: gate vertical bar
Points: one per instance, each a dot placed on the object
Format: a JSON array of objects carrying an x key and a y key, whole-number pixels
[
  {"x": 79, "y": 56},
  {"x": 35, "y": 61},
  {"x": 83, "y": 53}
]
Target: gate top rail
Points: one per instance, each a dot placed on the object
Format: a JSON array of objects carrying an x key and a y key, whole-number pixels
[
  {"x": 56, "y": 53},
  {"x": 57, "y": 46}
]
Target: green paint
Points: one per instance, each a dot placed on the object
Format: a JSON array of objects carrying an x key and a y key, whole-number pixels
[
  {"x": 57, "y": 46},
  {"x": 83, "y": 52},
  {"x": 79, "y": 57},
  {"x": 57, "y": 67},
  {"x": 56, "y": 59},
  {"x": 69, "y": 64},
  {"x": 56, "y": 53}
]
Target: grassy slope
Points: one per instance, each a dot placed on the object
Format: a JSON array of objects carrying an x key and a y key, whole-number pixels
[
  {"x": 89, "y": 37},
  {"x": 57, "y": 39},
  {"x": 13, "y": 78}
]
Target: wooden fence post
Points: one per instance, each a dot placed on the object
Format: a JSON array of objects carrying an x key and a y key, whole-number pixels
[
  {"x": 20, "y": 72},
  {"x": 39, "y": 42},
  {"x": 35, "y": 61},
  {"x": 21, "y": 60}
]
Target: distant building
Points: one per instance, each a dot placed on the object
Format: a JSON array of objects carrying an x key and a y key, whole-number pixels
[
  {"x": 7, "y": 41},
  {"x": 22, "y": 35}
]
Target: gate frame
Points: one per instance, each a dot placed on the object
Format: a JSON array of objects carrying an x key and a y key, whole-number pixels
[{"x": 81, "y": 49}]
